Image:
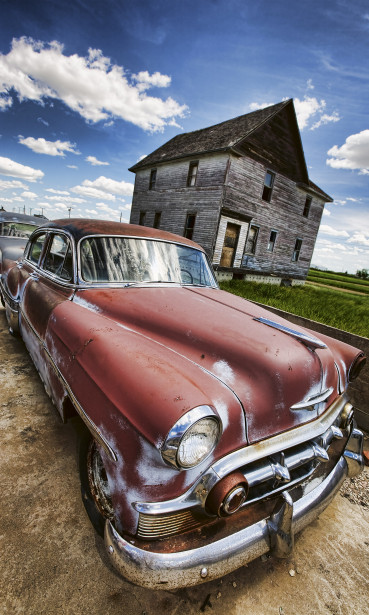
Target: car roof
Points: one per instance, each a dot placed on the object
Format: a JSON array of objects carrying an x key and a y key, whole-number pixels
[
  {"x": 12, "y": 216},
  {"x": 83, "y": 227}
]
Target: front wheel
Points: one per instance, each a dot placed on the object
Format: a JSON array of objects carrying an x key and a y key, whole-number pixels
[{"x": 94, "y": 482}]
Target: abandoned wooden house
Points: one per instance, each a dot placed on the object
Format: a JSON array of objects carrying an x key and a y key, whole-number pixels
[{"x": 241, "y": 190}]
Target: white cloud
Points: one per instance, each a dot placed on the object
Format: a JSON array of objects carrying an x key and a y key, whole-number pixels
[
  {"x": 14, "y": 169},
  {"x": 254, "y": 106},
  {"x": 51, "y": 148},
  {"x": 353, "y": 154},
  {"x": 360, "y": 238},
  {"x": 11, "y": 184},
  {"x": 326, "y": 212},
  {"x": 306, "y": 109},
  {"x": 65, "y": 199},
  {"x": 103, "y": 188},
  {"x": 29, "y": 195},
  {"x": 90, "y": 86},
  {"x": 5, "y": 102},
  {"x": 57, "y": 191},
  {"x": 72, "y": 166},
  {"x": 95, "y": 162},
  {"x": 329, "y": 230}
]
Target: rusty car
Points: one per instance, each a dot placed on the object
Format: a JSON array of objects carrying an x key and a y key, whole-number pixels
[
  {"x": 15, "y": 229},
  {"x": 213, "y": 430}
]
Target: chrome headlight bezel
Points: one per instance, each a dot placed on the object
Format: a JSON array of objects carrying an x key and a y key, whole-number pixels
[{"x": 170, "y": 448}]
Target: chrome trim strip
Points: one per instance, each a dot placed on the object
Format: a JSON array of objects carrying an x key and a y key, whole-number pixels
[
  {"x": 309, "y": 340},
  {"x": 311, "y": 401},
  {"x": 209, "y": 561},
  {"x": 82, "y": 413}
]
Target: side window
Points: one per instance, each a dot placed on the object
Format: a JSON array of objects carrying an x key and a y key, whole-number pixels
[
  {"x": 268, "y": 186},
  {"x": 59, "y": 260},
  {"x": 36, "y": 247},
  {"x": 297, "y": 250},
  {"x": 272, "y": 240},
  {"x": 192, "y": 173},
  {"x": 307, "y": 206},
  {"x": 189, "y": 225},
  {"x": 157, "y": 219},
  {"x": 152, "y": 179},
  {"x": 251, "y": 240}
]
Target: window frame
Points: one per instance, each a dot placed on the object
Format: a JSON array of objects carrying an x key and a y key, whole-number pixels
[
  {"x": 192, "y": 174},
  {"x": 271, "y": 244},
  {"x": 297, "y": 250},
  {"x": 142, "y": 217},
  {"x": 254, "y": 240},
  {"x": 307, "y": 206},
  {"x": 268, "y": 190},
  {"x": 189, "y": 229},
  {"x": 157, "y": 219},
  {"x": 47, "y": 251},
  {"x": 152, "y": 180}
]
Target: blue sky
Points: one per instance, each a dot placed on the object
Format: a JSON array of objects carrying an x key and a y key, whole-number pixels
[{"x": 89, "y": 87}]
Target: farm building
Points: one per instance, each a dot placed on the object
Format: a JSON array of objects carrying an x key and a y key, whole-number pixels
[{"x": 240, "y": 189}]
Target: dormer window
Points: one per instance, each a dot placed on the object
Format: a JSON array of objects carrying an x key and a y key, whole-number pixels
[
  {"x": 268, "y": 186},
  {"x": 192, "y": 173}
]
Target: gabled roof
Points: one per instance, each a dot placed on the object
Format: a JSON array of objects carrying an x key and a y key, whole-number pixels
[
  {"x": 220, "y": 137},
  {"x": 270, "y": 135}
]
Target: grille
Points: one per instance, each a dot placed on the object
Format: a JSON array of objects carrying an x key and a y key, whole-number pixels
[{"x": 162, "y": 526}]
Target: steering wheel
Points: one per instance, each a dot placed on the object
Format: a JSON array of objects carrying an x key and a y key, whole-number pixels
[{"x": 185, "y": 271}]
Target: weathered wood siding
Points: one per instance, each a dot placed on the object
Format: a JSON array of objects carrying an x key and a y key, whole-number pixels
[
  {"x": 175, "y": 200},
  {"x": 284, "y": 214}
]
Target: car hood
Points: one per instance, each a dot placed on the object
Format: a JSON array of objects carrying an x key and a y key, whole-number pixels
[{"x": 267, "y": 369}]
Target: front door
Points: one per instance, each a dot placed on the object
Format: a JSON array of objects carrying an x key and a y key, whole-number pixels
[{"x": 230, "y": 244}]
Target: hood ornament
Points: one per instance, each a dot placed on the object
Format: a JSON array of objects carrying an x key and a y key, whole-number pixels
[{"x": 309, "y": 340}]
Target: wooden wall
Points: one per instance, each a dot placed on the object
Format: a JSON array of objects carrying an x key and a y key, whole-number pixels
[
  {"x": 175, "y": 200},
  {"x": 233, "y": 184}
]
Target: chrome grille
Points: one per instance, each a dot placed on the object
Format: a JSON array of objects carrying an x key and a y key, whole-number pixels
[{"x": 162, "y": 526}]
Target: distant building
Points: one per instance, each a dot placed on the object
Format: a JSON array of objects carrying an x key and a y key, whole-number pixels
[{"x": 240, "y": 189}]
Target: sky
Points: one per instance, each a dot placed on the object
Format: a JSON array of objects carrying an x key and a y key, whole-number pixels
[{"x": 89, "y": 87}]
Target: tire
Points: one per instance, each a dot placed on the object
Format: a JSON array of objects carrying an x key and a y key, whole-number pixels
[{"x": 94, "y": 482}]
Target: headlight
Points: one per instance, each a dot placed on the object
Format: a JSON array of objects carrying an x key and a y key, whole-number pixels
[{"x": 192, "y": 438}]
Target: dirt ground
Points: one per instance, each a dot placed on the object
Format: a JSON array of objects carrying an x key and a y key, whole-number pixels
[{"x": 52, "y": 562}]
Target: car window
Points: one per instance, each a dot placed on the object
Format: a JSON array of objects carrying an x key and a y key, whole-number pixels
[
  {"x": 36, "y": 247},
  {"x": 17, "y": 229},
  {"x": 59, "y": 260},
  {"x": 124, "y": 259}
]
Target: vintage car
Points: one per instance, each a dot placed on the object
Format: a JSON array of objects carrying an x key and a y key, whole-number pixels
[
  {"x": 213, "y": 430},
  {"x": 15, "y": 229}
]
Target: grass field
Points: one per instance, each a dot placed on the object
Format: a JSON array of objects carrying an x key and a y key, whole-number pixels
[
  {"x": 339, "y": 280},
  {"x": 346, "y": 311}
]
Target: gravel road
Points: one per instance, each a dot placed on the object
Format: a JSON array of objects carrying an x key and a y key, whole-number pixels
[{"x": 52, "y": 562}]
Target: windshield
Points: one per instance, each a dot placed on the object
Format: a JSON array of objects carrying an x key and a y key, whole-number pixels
[{"x": 123, "y": 259}]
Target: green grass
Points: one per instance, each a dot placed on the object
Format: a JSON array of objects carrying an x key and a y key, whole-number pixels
[
  {"x": 332, "y": 307},
  {"x": 344, "y": 281}
]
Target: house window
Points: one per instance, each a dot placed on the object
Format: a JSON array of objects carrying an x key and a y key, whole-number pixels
[
  {"x": 157, "y": 219},
  {"x": 152, "y": 179},
  {"x": 190, "y": 225},
  {"x": 251, "y": 240},
  {"x": 272, "y": 240},
  {"x": 307, "y": 206},
  {"x": 192, "y": 173},
  {"x": 142, "y": 218},
  {"x": 268, "y": 185},
  {"x": 297, "y": 250}
]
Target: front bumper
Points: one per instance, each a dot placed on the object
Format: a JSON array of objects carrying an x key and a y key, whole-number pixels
[{"x": 274, "y": 534}]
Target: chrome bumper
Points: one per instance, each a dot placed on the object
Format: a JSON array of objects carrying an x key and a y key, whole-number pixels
[{"x": 208, "y": 562}]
